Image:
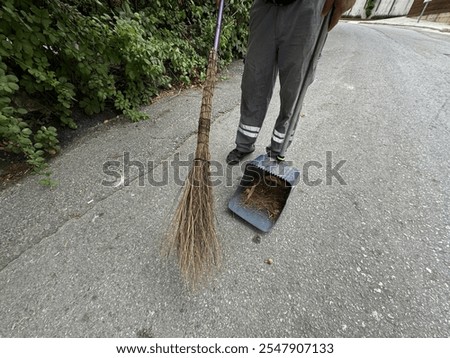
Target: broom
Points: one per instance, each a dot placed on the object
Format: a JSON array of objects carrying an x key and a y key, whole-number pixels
[{"x": 192, "y": 234}]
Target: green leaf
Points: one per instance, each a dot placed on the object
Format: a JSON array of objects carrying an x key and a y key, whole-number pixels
[
  {"x": 11, "y": 78},
  {"x": 13, "y": 86},
  {"x": 27, "y": 131}
]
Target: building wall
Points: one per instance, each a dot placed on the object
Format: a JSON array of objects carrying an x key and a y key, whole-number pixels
[
  {"x": 357, "y": 10},
  {"x": 442, "y": 17},
  {"x": 434, "y": 7},
  {"x": 383, "y": 8},
  {"x": 392, "y": 8},
  {"x": 437, "y": 10}
]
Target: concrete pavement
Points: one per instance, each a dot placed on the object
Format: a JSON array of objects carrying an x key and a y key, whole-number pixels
[{"x": 367, "y": 259}]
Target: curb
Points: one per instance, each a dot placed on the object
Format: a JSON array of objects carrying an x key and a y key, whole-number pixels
[{"x": 444, "y": 30}]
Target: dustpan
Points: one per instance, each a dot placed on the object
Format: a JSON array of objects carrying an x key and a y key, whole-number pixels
[
  {"x": 265, "y": 174},
  {"x": 261, "y": 171}
]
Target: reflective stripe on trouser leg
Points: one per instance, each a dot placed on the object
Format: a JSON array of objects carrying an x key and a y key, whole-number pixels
[
  {"x": 278, "y": 137},
  {"x": 260, "y": 73},
  {"x": 246, "y": 137},
  {"x": 299, "y": 25}
]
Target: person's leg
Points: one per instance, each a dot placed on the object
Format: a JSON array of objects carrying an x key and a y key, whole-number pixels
[
  {"x": 259, "y": 76},
  {"x": 299, "y": 27}
]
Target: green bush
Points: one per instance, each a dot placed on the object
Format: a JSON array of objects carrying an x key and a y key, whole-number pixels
[
  {"x": 370, "y": 5},
  {"x": 58, "y": 54}
]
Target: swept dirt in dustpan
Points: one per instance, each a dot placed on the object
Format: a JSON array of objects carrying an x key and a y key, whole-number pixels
[{"x": 269, "y": 195}]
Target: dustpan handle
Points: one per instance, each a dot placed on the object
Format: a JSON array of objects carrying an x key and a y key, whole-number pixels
[
  {"x": 218, "y": 25},
  {"x": 302, "y": 90}
]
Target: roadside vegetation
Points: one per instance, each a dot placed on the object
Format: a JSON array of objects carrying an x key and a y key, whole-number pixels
[{"x": 58, "y": 55}]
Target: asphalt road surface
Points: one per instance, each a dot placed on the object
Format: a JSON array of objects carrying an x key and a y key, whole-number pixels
[{"x": 366, "y": 256}]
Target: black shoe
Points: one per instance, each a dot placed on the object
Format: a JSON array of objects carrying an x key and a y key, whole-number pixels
[
  {"x": 274, "y": 155},
  {"x": 235, "y": 156}
]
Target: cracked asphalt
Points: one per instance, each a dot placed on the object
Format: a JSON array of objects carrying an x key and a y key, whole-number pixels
[{"x": 367, "y": 259}]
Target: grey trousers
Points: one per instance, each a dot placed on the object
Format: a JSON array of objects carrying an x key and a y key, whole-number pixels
[{"x": 281, "y": 42}]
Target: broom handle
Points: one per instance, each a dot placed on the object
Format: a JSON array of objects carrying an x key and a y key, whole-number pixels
[
  {"x": 218, "y": 25},
  {"x": 204, "y": 123},
  {"x": 302, "y": 90}
]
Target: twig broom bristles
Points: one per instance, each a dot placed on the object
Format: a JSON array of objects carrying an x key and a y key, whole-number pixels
[{"x": 192, "y": 234}]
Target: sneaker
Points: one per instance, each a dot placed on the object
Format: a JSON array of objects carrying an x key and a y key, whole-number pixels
[{"x": 235, "y": 156}]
